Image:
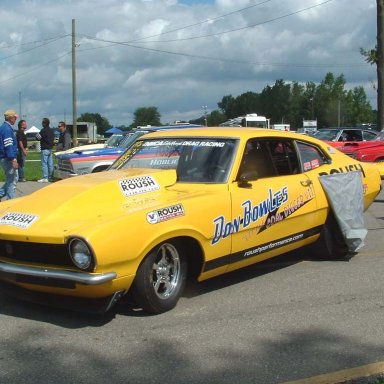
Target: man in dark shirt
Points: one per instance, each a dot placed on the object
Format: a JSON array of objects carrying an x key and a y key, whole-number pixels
[
  {"x": 22, "y": 146},
  {"x": 46, "y": 138},
  {"x": 64, "y": 138}
]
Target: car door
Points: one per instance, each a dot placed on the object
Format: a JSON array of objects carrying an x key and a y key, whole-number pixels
[{"x": 274, "y": 206}]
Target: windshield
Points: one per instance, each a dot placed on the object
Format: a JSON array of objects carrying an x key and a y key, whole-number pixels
[
  {"x": 114, "y": 140},
  {"x": 327, "y": 134},
  {"x": 196, "y": 160},
  {"x": 379, "y": 137},
  {"x": 131, "y": 138}
]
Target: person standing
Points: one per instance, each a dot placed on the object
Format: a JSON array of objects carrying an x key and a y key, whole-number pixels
[
  {"x": 8, "y": 153},
  {"x": 22, "y": 146},
  {"x": 46, "y": 138},
  {"x": 65, "y": 139}
]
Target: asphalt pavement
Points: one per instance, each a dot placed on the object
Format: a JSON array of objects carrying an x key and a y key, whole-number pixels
[{"x": 27, "y": 187}]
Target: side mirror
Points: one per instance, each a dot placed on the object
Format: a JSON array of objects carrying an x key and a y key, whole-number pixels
[{"x": 243, "y": 182}]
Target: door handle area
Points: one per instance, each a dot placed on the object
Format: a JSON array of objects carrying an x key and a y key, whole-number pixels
[{"x": 306, "y": 183}]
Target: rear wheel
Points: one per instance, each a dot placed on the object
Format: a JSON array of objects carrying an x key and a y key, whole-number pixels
[
  {"x": 331, "y": 244},
  {"x": 161, "y": 278}
]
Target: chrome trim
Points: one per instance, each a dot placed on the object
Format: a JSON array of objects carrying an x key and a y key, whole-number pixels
[{"x": 47, "y": 273}]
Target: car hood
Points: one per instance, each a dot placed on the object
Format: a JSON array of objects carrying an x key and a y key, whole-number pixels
[
  {"x": 109, "y": 151},
  {"x": 60, "y": 208}
]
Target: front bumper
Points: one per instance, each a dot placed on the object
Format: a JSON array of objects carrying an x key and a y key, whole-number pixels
[
  {"x": 54, "y": 277},
  {"x": 11, "y": 276},
  {"x": 60, "y": 174}
]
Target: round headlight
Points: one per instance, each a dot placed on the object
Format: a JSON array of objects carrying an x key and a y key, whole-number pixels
[{"x": 81, "y": 254}]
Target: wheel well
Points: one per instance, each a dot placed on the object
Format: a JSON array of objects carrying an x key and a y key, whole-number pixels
[{"x": 194, "y": 255}]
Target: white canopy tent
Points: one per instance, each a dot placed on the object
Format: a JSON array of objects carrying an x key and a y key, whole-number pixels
[{"x": 33, "y": 129}]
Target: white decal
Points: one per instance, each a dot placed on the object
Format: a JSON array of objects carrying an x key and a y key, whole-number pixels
[
  {"x": 137, "y": 185},
  {"x": 21, "y": 220},
  {"x": 165, "y": 214}
]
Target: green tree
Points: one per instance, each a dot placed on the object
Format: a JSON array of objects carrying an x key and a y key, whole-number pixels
[
  {"x": 215, "y": 118},
  {"x": 330, "y": 99},
  {"x": 248, "y": 102},
  {"x": 101, "y": 122},
  {"x": 276, "y": 101},
  {"x": 360, "y": 108},
  {"x": 146, "y": 116},
  {"x": 226, "y": 106}
]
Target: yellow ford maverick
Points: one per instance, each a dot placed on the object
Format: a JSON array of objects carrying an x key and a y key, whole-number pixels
[{"x": 193, "y": 203}]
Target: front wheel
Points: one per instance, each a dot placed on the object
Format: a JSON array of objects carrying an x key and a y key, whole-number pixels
[{"x": 161, "y": 278}]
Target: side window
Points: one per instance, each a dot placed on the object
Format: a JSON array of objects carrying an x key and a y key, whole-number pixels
[
  {"x": 369, "y": 135},
  {"x": 269, "y": 158},
  {"x": 257, "y": 161},
  {"x": 285, "y": 157},
  {"x": 310, "y": 157},
  {"x": 353, "y": 135}
]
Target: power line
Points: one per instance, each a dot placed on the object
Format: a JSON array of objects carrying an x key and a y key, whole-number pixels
[
  {"x": 35, "y": 68},
  {"x": 31, "y": 49},
  {"x": 216, "y": 33},
  {"x": 34, "y": 42},
  {"x": 242, "y": 28},
  {"x": 203, "y": 22}
]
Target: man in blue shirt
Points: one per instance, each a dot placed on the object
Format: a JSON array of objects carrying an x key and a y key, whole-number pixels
[{"x": 8, "y": 154}]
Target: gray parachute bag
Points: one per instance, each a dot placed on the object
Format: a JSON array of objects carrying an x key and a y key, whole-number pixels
[{"x": 345, "y": 196}]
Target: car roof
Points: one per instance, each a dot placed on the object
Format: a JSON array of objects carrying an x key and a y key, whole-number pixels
[
  {"x": 226, "y": 132},
  {"x": 342, "y": 128}
]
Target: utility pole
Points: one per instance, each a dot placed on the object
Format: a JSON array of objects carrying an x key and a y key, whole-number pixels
[
  {"x": 74, "y": 98},
  {"x": 205, "y": 114},
  {"x": 379, "y": 63},
  {"x": 20, "y": 106}
]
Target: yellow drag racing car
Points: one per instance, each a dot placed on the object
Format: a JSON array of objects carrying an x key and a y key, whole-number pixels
[{"x": 193, "y": 203}]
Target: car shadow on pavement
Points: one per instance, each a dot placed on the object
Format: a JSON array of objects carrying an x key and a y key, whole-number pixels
[
  {"x": 10, "y": 306},
  {"x": 241, "y": 275},
  {"x": 126, "y": 307}
]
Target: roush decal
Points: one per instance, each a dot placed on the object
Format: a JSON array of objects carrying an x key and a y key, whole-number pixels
[
  {"x": 164, "y": 214},
  {"x": 21, "y": 220},
  {"x": 138, "y": 185},
  {"x": 347, "y": 168},
  {"x": 251, "y": 213}
]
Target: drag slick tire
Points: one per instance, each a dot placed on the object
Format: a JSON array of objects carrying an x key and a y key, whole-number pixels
[
  {"x": 331, "y": 244},
  {"x": 161, "y": 278}
]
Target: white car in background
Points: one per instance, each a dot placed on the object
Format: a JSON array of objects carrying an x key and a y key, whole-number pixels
[{"x": 112, "y": 142}]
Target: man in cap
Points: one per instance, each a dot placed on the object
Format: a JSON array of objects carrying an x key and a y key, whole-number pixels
[{"x": 8, "y": 154}]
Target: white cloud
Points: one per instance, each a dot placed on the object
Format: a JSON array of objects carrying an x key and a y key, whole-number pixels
[{"x": 122, "y": 65}]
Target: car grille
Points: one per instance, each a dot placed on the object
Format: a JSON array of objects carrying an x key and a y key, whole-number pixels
[
  {"x": 64, "y": 165},
  {"x": 37, "y": 253}
]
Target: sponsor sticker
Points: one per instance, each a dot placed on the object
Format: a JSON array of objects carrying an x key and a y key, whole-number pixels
[
  {"x": 21, "y": 220},
  {"x": 307, "y": 166},
  {"x": 164, "y": 214},
  {"x": 138, "y": 185},
  {"x": 315, "y": 163}
]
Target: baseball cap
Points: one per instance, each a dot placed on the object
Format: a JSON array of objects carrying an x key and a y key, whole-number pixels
[{"x": 10, "y": 113}]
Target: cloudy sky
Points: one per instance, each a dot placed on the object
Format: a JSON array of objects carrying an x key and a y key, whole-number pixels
[{"x": 176, "y": 55}]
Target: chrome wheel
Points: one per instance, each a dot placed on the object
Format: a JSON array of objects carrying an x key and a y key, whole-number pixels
[
  {"x": 161, "y": 277},
  {"x": 166, "y": 271}
]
